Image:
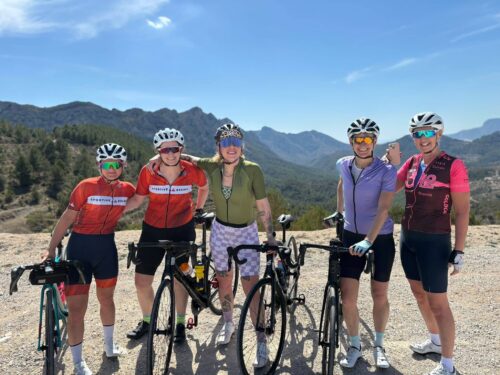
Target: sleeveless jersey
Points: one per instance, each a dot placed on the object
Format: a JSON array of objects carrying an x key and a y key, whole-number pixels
[
  {"x": 170, "y": 205},
  {"x": 99, "y": 204},
  {"x": 428, "y": 200}
]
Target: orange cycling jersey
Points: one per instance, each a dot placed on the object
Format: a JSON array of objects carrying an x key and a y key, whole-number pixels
[
  {"x": 170, "y": 204},
  {"x": 99, "y": 205}
]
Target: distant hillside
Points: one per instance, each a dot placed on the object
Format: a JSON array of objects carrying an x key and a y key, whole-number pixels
[
  {"x": 300, "y": 148},
  {"x": 489, "y": 126}
]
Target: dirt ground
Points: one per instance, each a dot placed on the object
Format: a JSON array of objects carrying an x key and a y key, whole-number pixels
[{"x": 474, "y": 296}]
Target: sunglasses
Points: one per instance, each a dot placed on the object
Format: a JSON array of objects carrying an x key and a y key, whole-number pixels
[
  {"x": 423, "y": 133},
  {"x": 168, "y": 150},
  {"x": 367, "y": 140},
  {"x": 107, "y": 165},
  {"x": 231, "y": 141}
]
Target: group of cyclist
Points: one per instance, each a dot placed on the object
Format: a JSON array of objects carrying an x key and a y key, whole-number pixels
[{"x": 433, "y": 181}]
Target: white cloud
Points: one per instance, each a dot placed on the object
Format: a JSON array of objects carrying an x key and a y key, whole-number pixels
[
  {"x": 357, "y": 75},
  {"x": 19, "y": 16},
  {"x": 477, "y": 32},
  {"x": 160, "y": 24},
  {"x": 402, "y": 64}
]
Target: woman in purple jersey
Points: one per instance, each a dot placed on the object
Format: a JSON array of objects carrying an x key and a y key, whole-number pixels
[{"x": 365, "y": 192}]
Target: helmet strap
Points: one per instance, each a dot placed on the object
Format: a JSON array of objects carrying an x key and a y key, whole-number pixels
[{"x": 361, "y": 157}]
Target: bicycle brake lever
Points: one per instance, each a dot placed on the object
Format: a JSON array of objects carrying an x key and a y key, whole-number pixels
[
  {"x": 15, "y": 275},
  {"x": 369, "y": 262}
]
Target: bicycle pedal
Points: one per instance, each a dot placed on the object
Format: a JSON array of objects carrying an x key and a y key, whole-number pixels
[{"x": 301, "y": 299}]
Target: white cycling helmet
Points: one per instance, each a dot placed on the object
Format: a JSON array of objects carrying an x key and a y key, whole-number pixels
[
  {"x": 421, "y": 120},
  {"x": 167, "y": 135},
  {"x": 111, "y": 151},
  {"x": 363, "y": 125}
]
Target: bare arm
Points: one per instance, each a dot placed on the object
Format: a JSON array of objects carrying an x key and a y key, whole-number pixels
[
  {"x": 461, "y": 203},
  {"x": 340, "y": 197},
  {"x": 399, "y": 185},
  {"x": 384, "y": 203},
  {"x": 190, "y": 158},
  {"x": 265, "y": 216},
  {"x": 67, "y": 218},
  {"x": 202, "y": 196},
  {"x": 134, "y": 202}
]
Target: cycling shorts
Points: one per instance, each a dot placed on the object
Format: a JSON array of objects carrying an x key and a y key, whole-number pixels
[
  {"x": 150, "y": 258},
  {"x": 424, "y": 257},
  {"x": 384, "y": 251},
  {"x": 99, "y": 258},
  {"x": 223, "y": 236}
]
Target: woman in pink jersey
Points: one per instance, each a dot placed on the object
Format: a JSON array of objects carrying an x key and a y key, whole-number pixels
[
  {"x": 94, "y": 208},
  {"x": 433, "y": 181}
]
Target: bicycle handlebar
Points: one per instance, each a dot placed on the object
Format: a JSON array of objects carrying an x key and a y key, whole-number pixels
[
  {"x": 166, "y": 245},
  {"x": 49, "y": 266},
  {"x": 261, "y": 248}
]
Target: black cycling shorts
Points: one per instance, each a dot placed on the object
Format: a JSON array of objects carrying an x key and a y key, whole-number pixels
[
  {"x": 424, "y": 257},
  {"x": 150, "y": 258},
  {"x": 99, "y": 258},
  {"x": 384, "y": 250}
]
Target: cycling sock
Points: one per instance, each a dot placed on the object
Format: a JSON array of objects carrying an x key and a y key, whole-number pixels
[
  {"x": 108, "y": 335},
  {"x": 447, "y": 363},
  {"x": 76, "y": 352},
  {"x": 180, "y": 319},
  {"x": 436, "y": 340},
  {"x": 379, "y": 339},
  {"x": 355, "y": 341},
  {"x": 228, "y": 316},
  {"x": 147, "y": 318}
]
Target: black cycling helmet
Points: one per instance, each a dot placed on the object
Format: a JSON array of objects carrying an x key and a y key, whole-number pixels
[{"x": 228, "y": 130}]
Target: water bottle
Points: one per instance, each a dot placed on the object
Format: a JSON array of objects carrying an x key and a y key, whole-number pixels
[{"x": 199, "y": 271}]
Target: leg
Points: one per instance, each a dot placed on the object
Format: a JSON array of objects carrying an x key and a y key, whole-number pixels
[
  {"x": 77, "y": 307},
  {"x": 349, "y": 289},
  {"x": 225, "y": 279},
  {"x": 440, "y": 308},
  {"x": 248, "y": 282},
  {"x": 107, "y": 305},
  {"x": 145, "y": 292},
  {"x": 423, "y": 304},
  {"x": 380, "y": 304}
]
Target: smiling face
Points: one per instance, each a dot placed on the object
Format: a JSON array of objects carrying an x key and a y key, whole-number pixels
[
  {"x": 231, "y": 153},
  {"x": 363, "y": 149},
  {"x": 427, "y": 144},
  {"x": 170, "y": 152}
]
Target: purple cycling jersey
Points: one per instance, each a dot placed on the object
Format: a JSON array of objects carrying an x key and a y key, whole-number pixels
[{"x": 361, "y": 196}]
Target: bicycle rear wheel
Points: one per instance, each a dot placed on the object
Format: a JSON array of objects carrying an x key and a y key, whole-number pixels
[
  {"x": 50, "y": 333},
  {"x": 214, "y": 301},
  {"x": 160, "y": 335},
  {"x": 293, "y": 279},
  {"x": 271, "y": 327},
  {"x": 329, "y": 333}
]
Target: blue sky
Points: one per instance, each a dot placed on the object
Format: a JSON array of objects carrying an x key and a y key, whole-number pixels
[{"x": 290, "y": 65}]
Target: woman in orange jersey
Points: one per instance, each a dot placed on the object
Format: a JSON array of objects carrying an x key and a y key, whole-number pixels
[{"x": 94, "y": 208}]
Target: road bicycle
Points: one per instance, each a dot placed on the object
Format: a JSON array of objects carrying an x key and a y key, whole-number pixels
[
  {"x": 203, "y": 289},
  {"x": 331, "y": 310},
  {"x": 53, "y": 312}
]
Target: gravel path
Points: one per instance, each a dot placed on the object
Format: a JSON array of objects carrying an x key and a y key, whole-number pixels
[{"x": 474, "y": 296}]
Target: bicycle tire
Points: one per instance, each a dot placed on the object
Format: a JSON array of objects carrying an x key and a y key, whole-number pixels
[
  {"x": 214, "y": 301},
  {"x": 160, "y": 335},
  {"x": 293, "y": 280},
  {"x": 247, "y": 337},
  {"x": 329, "y": 333},
  {"x": 50, "y": 334}
]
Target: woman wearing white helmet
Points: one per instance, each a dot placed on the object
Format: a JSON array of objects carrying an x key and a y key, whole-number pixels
[
  {"x": 95, "y": 206},
  {"x": 433, "y": 181},
  {"x": 169, "y": 216},
  {"x": 364, "y": 193}
]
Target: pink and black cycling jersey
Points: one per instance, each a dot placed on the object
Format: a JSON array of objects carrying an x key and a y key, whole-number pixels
[
  {"x": 428, "y": 194},
  {"x": 361, "y": 196}
]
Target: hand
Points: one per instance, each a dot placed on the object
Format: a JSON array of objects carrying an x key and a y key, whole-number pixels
[
  {"x": 360, "y": 248},
  {"x": 153, "y": 164},
  {"x": 45, "y": 255},
  {"x": 271, "y": 240},
  {"x": 456, "y": 260}
]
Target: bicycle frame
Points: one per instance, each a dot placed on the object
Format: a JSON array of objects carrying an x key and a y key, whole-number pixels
[{"x": 59, "y": 315}]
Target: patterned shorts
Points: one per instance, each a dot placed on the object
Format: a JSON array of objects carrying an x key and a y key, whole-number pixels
[{"x": 222, "y": 237}]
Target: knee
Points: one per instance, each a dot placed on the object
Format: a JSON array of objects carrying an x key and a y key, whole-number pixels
[
  {"x": 350, "y": 303},
  {"x": 106, "y": 300},
  {"x": 420, "y": 296},
  {"x": 142, "y": 283},
  {"x": 439, "y": 308},
  {"x": 380, "y": 299}
]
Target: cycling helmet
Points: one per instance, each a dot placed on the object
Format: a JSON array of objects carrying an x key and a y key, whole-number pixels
[
  {"x": 363, "y": 125},
  {"x": 228, "y": 130},
  {"x": 167, "y": 135},
  {"x": 421, "y": 120},
  {"x": 111, "y": 151}
]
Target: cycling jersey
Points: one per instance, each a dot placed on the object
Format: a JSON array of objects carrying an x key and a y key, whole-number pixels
[
  {"x": 361, "y": 195},
  {"x": 170, "y": 204},
  {"x": 428, "y": 200},
  {"x": 248, "y": 186},
  {"x": 99, "y": 204}
]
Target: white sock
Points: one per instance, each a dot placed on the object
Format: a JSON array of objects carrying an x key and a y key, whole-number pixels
[
  {"x": 447, "y": 363},
  {"x": 76, "y": 352},
  {"x": 108, "y": 335},
  {"x": 436, "y": 340}
]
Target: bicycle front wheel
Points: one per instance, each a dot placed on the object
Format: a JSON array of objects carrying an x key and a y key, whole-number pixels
[
  {"x": 262, "y": 329},
  {"x": 50, "y": 333},
  {"x": 214, "y": 300},
  {"x": 159, "y": 348},
  {"x": 330, "y": 333}
]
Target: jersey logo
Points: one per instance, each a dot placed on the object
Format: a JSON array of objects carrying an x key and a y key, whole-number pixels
[
  {"x": 168, "y": 189},
  {"x": 107, "y": 201},
  {"x": 431, "y": 182}
]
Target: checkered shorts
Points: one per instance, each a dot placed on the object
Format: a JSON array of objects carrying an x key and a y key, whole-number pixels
[{"x": 222, "y": 237}]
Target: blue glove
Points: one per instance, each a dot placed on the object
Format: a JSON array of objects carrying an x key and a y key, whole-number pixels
[{"x": 362, "y": 247}]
